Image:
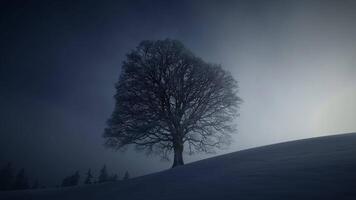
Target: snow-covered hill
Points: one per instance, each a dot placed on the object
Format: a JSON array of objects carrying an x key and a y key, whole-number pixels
[{"x": 317, "y": 168}]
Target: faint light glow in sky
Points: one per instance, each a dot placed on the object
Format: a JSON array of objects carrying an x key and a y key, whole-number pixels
[
  {"x": 295, "y": 64},
  {"x": 337, "y": 114}
]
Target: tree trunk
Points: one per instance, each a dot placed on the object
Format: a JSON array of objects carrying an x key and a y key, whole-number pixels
[{"x": 178, "y": 155}]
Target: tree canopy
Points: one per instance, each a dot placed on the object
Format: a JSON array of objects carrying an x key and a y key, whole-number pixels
[{"x": 168, "y": 99}]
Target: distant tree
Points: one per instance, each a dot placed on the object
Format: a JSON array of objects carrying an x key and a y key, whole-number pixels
[
  {"x": 75, "y": 178},
  {"x": 21, "y": 180},
  {"x": 35, "y": 185},
  {"x": 113, "y": 177},
  {"x": 88, "y": 179},
  {"x": 103, "y": 176},
  {"x": 126, "y": 176},
  {"x": 71, "y": 180},
  {"x": 167, "y": 98},
  {"x": 66, "y": 182},
  {"x": 6, "y": 177}
]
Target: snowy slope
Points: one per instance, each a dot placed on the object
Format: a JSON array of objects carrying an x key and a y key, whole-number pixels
[{"x": 318, "y": 168}]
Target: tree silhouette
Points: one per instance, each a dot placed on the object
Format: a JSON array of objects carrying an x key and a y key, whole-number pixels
[
  {"x": 88, "y": 179},
  {"x": 75, "y": 178},
  {"x": 21, "y": 180},
  {"x": 103, "y": 176},
  {"x": 71, "y": 180},
  {"x": 6, "y": 177},
  {"x": 126, "y": 176},
  {"x": 66, "y": 182},
  {"x": 35, "y": 185},
  {"x": 113, "y": 177},
  {"x": 167, "y": 98}
]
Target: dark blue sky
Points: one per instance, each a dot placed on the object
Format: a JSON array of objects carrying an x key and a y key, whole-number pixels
[
  {"x": 59, "y": 63},
  {"x": 295, "y": 62}
]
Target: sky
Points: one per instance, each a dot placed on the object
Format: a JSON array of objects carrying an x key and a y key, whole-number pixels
[{"x": 295, "y": 62}]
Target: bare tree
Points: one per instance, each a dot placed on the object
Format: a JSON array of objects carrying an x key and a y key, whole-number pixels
[{"x": 168, "y": 99}]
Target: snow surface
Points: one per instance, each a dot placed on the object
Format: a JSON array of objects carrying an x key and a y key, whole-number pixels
[{"x": 317, "y": 168}]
